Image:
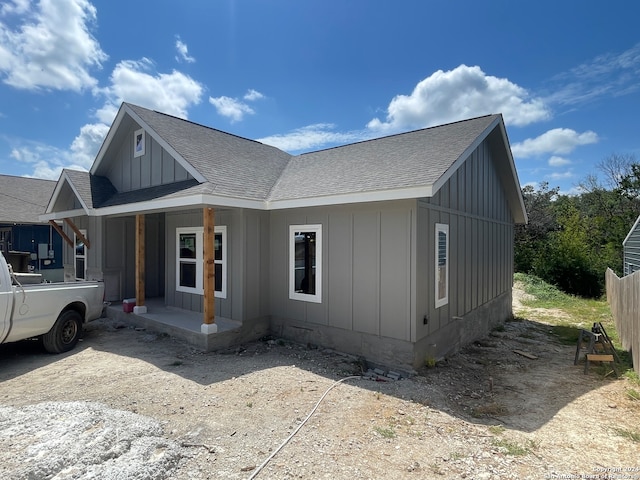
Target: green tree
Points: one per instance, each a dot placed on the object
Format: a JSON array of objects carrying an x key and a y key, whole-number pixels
[
  {"x": 530, "y": 239},
  {"x": 567, "y": 262},
  {"x": 610, "y": 208},
  {"x": 572, "y": 239},
  {"x": 630, "y": 184}
]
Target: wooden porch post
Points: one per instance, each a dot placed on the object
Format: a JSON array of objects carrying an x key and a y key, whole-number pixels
[
  {"x": 209, "y": 323},
  {"x": 140, "y": 254}
]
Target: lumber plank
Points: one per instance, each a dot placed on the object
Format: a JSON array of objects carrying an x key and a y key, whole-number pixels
[
  {"x": 209, "y": 265},
  {"x": 594, "y": 357},
  {"x": 140, "y": 254},
  {"x": 526, "y": 354}
]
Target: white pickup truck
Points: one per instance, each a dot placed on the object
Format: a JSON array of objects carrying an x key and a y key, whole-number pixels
[{"x": 54, "y": 312}]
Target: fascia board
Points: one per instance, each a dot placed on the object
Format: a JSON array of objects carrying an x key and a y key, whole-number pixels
[
  {"x": 65, "y": 214},
  {"x": 497, "y": 122},
  {"x": 78, "y": 196},
  {"x": 125, "y": 109},
  {"x": 514, "y": 173},
  {"x": 199, "y": 200},
  {"x": 360, "y": 197},
  {"x": 107, "y": 140},
  {"x": 178, "y": 203},
  {"x": 54, "y": 195},
  {"x": 186, "y": 165},
  {"x": 64, "y": 178},
  {"x": 635, "y": 225},
  {"x": 437, "y": 185}
]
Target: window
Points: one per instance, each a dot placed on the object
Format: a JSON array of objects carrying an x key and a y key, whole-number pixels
[
  {"x": 80, "y": 256},
  {"x": 5, "y": 239},
  {"x": 190, "y": 260},
  {"x": 305, "y": 263},
  {"x": 442, "y": 264},
  {"x": 220, "y": 256},
  {"x": 138, "y": 143}
]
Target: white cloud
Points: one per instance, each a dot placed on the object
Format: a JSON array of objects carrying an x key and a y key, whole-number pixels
[
  {"x": 24, "y": 155},
  {"x": 44, "y": 169},
  {"x": 561, "y": 175},
  {"x": 86, "y": 145},
  {"x": 231, "y": 108},
  {"x": 556, "y": 161},
  {"x": 47, "y": 161},
  {"x": 558, "y": 141},
  {"x": 461, "y": 93},
  {"x": 609, "y": 74},
  {"x": 138, "y": 82},
  {"x": 183, "y": 52},
  {"x": 52, "y": 48},
  {"x": 311, "y": 137},
  {"x": 135, "y": 82},
  {"x": 253, "y": 95},
  {"x": 17, "y": 7},
  {"x": 131, "y": 81}
]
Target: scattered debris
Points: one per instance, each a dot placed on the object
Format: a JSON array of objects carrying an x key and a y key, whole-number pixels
[{"x": 526, "y": 354}]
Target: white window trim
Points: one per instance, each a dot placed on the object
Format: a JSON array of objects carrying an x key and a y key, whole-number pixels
[
  {"x": 222, "y": 230},
  {"x": 441, "y": 227},
  {"x": 199, "y": 260},
  {"x": 293, "y": 295},
  {"x": 139, "y": 152},
  {"x": 76, "y": 256}
]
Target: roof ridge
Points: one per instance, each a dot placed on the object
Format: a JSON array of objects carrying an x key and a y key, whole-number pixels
[
  {"x": 26, "y": 178},
  {"x": 408, "y": 132},
  {"x": 186, "y": 120}
]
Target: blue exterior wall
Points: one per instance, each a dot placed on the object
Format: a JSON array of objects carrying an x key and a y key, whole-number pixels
[{"x": 26, "y": 238}]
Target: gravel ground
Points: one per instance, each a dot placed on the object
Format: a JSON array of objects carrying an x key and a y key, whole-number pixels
[{"x": 132, "y": 404}]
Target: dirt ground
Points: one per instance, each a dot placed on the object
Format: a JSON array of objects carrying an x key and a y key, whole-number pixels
[{"x": 131, "y": 404}]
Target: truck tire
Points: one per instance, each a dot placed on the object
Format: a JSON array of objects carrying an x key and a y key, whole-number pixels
[{"x": 64, "y": 334}]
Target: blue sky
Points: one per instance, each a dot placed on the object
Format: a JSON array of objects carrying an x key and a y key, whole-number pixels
[{"x": 307, "y": 75}]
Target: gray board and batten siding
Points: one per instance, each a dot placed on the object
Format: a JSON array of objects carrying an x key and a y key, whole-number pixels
[
  {"x": 631, "y": 248},
  {"x": 379, "y": 203},
  {"x": 119, "y": 257},
  {"x": 247, "y": 263},
  {"x": 379, "y": 269},
  {"x": 481, "y": 231},
  {"x": 155, "y": 167}
]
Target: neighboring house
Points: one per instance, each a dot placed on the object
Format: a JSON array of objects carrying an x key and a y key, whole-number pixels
[
  {"x": 26, "y": 242},
  {"x": 397, "y": 249},
  {"x": 631, "y": 248}
]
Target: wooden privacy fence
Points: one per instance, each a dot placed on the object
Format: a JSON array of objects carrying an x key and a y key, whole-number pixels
[{"x": 623, "y": 296}]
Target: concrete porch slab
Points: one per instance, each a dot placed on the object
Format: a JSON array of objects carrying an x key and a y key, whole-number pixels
[{"x": 186, "y": 325}]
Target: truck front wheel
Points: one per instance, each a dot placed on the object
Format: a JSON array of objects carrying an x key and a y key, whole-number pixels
[{"x": 64, "y": 334}]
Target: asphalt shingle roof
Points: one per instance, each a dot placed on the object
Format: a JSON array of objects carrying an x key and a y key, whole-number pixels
[
  {"x": 412, "y": 159},
  {"x": 23, "y": 199},
  {"x": 234, "y": 166},
  {"x": 93, "y": 190},
  {"x": 239, "y": 168}
]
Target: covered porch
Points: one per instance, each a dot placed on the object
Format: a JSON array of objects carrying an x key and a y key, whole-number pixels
[{"x": 186, "y": 325}]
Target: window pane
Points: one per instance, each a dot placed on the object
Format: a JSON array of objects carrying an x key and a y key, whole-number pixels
[
  {"x": 305, "y": 262},
  {"x": 79, "y": 247},
  {"x": 442, "y": 283},
  {"x": 217, "y": 244},
  {"x": 80, "y": 268},
  {"x": 442, "y": 265},
  {"x": 187, "y": 274},
  {"x": 218, "y": 278},
  {"x": 187, "y": 245},
  {"x": 442, "y": 249}
]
